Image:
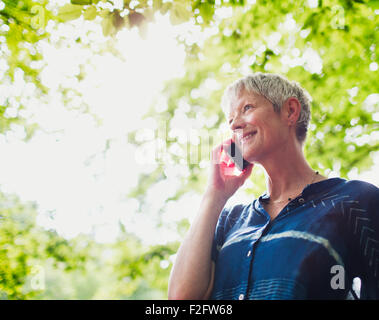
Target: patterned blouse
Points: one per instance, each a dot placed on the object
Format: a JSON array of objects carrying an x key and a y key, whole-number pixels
[{"x": 313, "y": 249}]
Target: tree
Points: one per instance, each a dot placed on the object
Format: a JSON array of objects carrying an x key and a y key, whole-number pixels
[
  {"x": 25, "y": 248},
  {"x": 26, "y": 23},
  {"x": 36, "y": 263}
]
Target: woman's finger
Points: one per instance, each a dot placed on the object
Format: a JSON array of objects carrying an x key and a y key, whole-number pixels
[{"x": 246, "y": 172}]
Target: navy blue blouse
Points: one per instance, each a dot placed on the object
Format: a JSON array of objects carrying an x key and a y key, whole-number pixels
[{"x": 313, "y": 249}]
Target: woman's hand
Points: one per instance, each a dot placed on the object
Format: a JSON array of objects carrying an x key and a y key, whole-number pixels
[{"x": 221, "y": 183}]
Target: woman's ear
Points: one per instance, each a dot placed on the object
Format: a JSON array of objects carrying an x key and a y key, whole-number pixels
[{"x": 291, "y": 109}]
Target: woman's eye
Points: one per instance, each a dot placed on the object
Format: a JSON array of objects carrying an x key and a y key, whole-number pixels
[{"x": 247, "y": 107}]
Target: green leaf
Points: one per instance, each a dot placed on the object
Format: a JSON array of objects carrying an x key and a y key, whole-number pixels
[
  {"x": 69, "y": 12},
  {"x": 373, "y": 4},
  {"x": 206, "y": 11},
  {"x": 104, "y": 13},
  {"x": 157, "y": 4},
  {"x": 90, "y": 13},
  {"x": 107, "y": 25},
  {"x": 81, "y": 2},
  {"x": 179, "y": 13},
  {"x": 165, "y": 7}
]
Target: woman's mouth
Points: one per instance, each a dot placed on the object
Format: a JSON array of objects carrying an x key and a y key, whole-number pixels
[{"x": 247, "y": 137}]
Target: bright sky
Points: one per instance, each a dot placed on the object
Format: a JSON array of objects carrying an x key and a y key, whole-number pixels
[
  {"x": 62, "y": 168},
  {"x": 65, "y": 171}
]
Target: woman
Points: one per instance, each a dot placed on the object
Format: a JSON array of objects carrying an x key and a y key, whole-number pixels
[{"x": 306, "y": 237}]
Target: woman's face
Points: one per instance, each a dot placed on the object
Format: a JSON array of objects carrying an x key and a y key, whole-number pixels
[{"x": 257, "y": 128}]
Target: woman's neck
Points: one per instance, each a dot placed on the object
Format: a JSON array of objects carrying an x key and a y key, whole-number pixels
[{"x": 287, "y": 174}]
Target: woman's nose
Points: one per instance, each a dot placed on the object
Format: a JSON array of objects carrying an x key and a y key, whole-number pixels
[{"x": 237, "y": 123}]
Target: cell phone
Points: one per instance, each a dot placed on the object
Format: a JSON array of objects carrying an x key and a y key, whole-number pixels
[{"x": 235, "y": 155}]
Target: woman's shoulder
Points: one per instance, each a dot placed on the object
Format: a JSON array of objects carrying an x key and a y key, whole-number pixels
[
  {"x": 235, "y": 210},
  {"x": 232, "y": 213},
  {"x": 362, "y": 186},
  {"x": 362, "y": 191}
]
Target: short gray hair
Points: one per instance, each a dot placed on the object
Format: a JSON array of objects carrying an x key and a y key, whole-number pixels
[{"x": 277, "y": 89}]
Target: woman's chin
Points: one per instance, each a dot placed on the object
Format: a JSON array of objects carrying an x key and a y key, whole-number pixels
[{"x": 251, "y": 157}]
